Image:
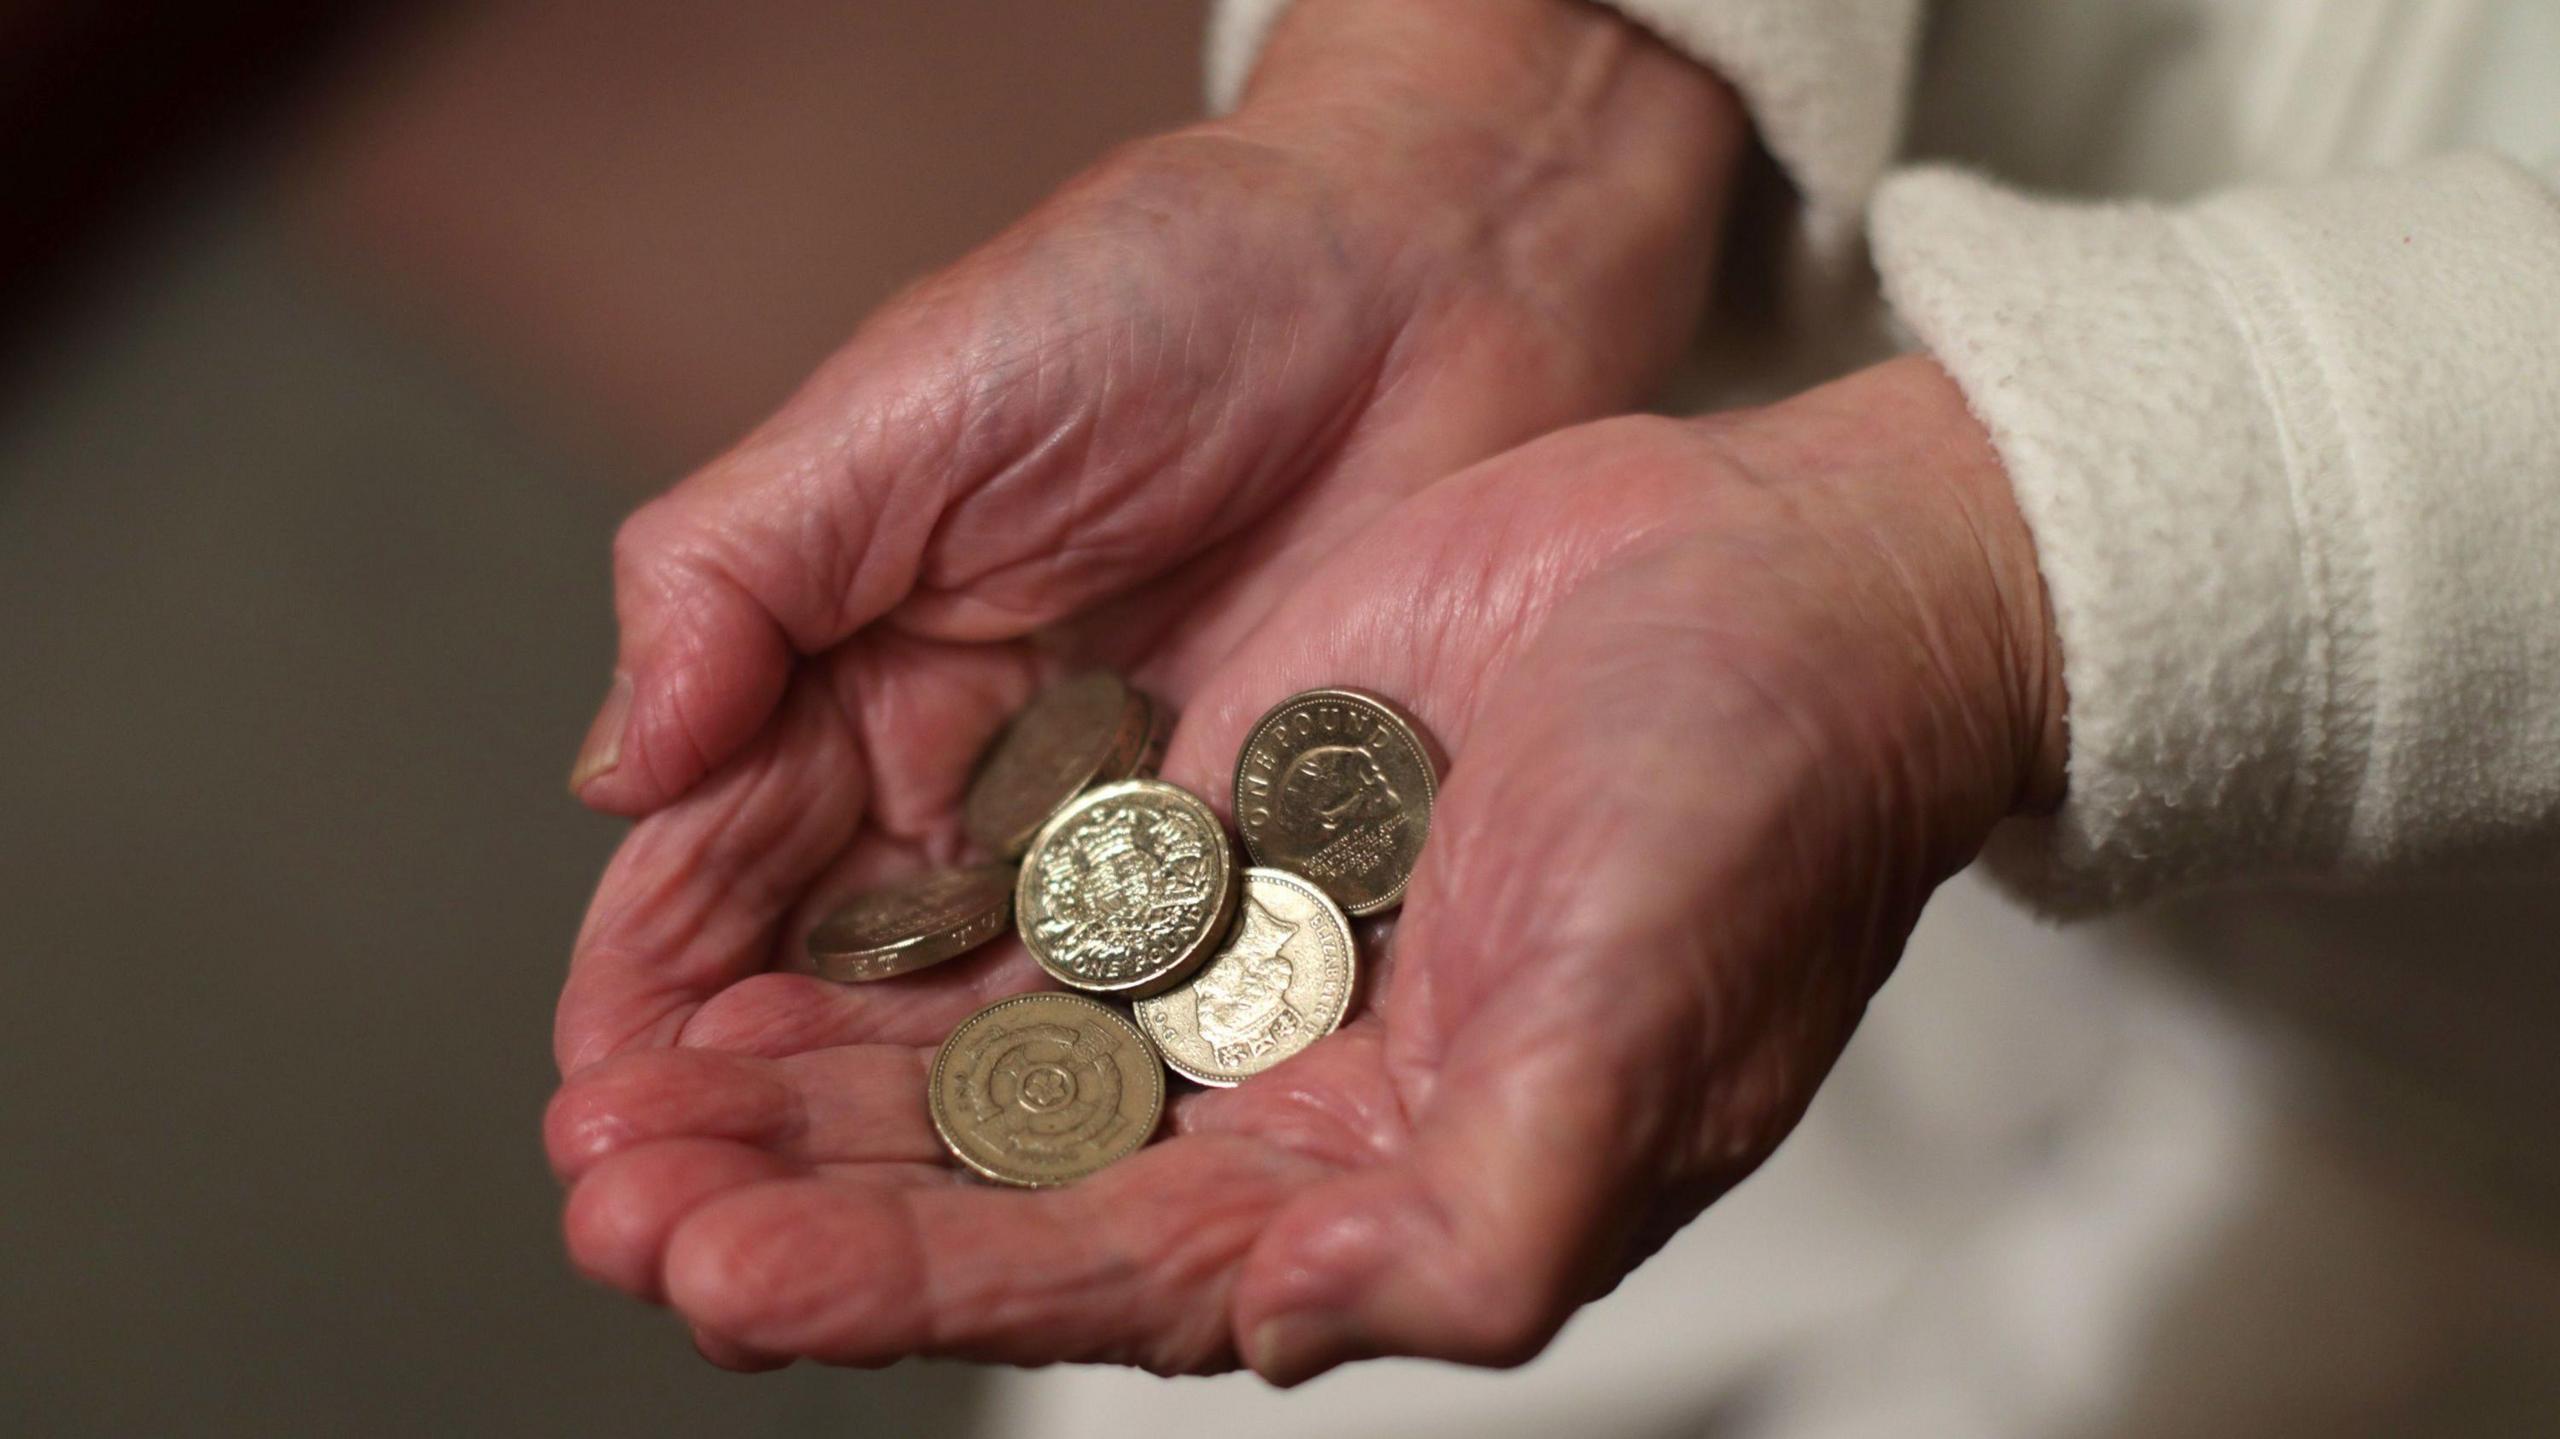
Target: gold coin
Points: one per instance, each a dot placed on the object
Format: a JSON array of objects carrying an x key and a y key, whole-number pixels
[
  {"x": 914, "y": 923},
  {"x": 1086, "y": 730},
  {"x": 1282, "y": 982},
  {"x": 1337, "y": 785},
  {"x": 1042, "y": 1089},
  {"x": 1127, "y": 889}
]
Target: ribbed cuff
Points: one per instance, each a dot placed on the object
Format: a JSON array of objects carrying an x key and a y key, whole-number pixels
[{"x": 2291, "y": 458}]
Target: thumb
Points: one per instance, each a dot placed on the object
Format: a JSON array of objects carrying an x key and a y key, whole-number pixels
[
  {"x": 776, "y": 550},
  {"x": 973, "y": 508}
]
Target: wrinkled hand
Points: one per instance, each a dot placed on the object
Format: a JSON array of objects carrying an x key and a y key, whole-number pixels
[
  {"x": 1195, "y": 370},
  {"x": 1725, "y": 700},
  {"x": 1127, "y": 426}
]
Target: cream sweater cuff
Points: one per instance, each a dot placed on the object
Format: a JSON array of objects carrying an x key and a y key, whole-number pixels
[{"x": 2292, "y": 462}]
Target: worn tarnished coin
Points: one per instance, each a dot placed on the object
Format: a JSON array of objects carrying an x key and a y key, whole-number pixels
[
  {"x": 1045, "y": 1088},
  {"x": 1282, "y": 982},
  {"x": 916, "y": 922},
  {"x": 1082, "y": 731},
  {"x": 1127, "y": 889},
  {"x": 1337, "y": 785}
]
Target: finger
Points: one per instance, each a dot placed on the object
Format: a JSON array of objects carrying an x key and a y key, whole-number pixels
[
  {"x": 734, "y": 1357},
  {"x": 1329, "y": 1102},
  {"x": 1131, "y": 1266},
  {"x": 783, "y": 547},
  {"x": 782, "y": 1014},
  {"x": 619, "y": 1213},
  {"x": 720, "y": 586},
  {"x": 863, "y": 1104},
  {"x": 1052, "y": 421},
  {"x": 699, "y": 894},
  {"x": 857, "y": 1104},
  {"x": 692, "y": 899}
]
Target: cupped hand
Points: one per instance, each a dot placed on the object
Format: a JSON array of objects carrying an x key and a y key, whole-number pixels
[
  {"x": 1425, "y": 237},
  {"x": 1725, "y": 700},
  {"x": 1138, "y": 416}
]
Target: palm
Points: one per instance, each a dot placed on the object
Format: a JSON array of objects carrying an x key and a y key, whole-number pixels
[{"x": 1621, "y": 971}]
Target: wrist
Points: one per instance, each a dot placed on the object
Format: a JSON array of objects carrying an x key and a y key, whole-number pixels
[
  {"x": 1505, "y": 110},
  {"x": 1547, "y": 156},
  {"x": 1500, "y": 64},
  {"x": 1897, "y": 454}
]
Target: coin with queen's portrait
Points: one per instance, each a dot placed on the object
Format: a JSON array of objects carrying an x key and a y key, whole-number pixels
[
  {"x": 1338, "y": 785},
  {"x": 1282, "y": 982}
]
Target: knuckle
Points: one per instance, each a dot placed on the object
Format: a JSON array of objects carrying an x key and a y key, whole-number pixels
[
  {"x": 663, "y": 551},
  {"x": 1493, "y": 1318},
  {"x": 615, "y": 1220},
  {"x": 648, "y": 572},
  {"x": 665, "y": 556},
  {"x": 715, "y": 1272},
  {"x": 640, "y": 541},
  {"x": 670, "y": 1093},
  {"x": 608, "y": 1109},
  {"x": 1483, "y": 1298},
  {"x": 602, "y": 1240},
  {"x": 613, "y": 1227},
  {"x": 583, "y": 1124},
  {"x": 744, "y": 1268}
]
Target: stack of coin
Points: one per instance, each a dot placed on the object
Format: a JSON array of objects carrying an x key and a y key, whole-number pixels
[
  {"x": 1130, "y": 889},
  {"x": 1091, "y": 729}
]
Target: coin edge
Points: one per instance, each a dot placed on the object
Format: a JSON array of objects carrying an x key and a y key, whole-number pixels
[
  {"x": 964, "y": 939},
  {"x": 1114, "y": 744}
]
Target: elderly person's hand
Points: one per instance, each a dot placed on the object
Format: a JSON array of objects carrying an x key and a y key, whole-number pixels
[
  {"x": 1435, "y": 228},
  {"x": 1725, "y": 700}
]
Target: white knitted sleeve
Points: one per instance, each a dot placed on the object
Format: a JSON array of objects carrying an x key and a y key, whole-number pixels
[
  {"x": 2291, "y": 457},
  {"x": 1825, "y": 81}
]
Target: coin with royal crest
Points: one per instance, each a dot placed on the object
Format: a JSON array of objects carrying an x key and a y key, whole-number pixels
[
  {"x": 1337, "y": 785},
  {"x": 1282, "y": 981},
  {"x": 1127, "y": 889}
]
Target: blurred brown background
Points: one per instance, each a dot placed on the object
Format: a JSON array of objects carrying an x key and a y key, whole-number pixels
[{"x": 333, "y": 339}]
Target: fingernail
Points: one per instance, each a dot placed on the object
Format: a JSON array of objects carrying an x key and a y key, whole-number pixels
[
  {"x": 603, "y": 748},
  {"x": 1294, "y": 1348}
]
